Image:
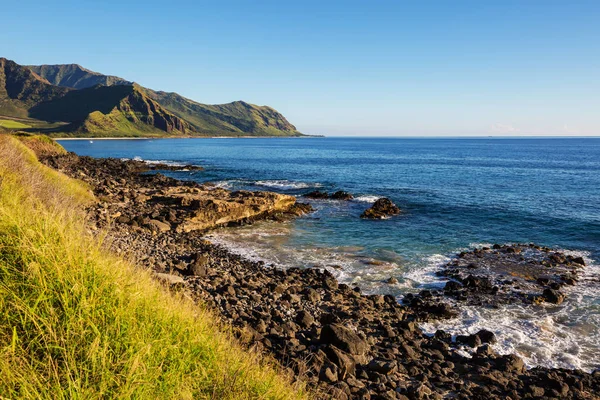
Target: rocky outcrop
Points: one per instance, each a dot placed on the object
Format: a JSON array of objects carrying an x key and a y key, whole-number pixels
[
  {"x": 319, "y": 195},
  {"x": 158, "y": 203},
  {"x": 218, "y": 207},
  {"x": 511, "y": 274},
  {"x": 382, "y": 208}
]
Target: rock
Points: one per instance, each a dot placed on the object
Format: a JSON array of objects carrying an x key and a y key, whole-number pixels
[
  {"x": 316, "y": 194},
  {"x": 304, "y": 319},
  {"x": 485, "y": 351},
  {"x": 391, "y": 281},
  {"x": 329, "y": 374},
  {"x": 345, "y": 362},
  {"x": 578, "y": 260},
  {"x": 341, "y": 195},
  {"x": 536, "y": 391},
  {"x": 486, "y": 336},
  {"x": 511, "y": 363},
  {"x": 470, "y": 340},
  {"x": 382, "y": 208},
  {"x": 452, "y": 286},
  {"x": 170, "y": 279},
  {"x": 200, "y": 265},
  {"x": 159, "y": 226},
  {"x": 344, "y": 339},
  {"x": 382, "y": 366},
  {"x": 553, "y": 296}
]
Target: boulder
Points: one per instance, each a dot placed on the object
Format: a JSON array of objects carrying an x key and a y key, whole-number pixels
[
  {"x": 344, "y": 339},
  {"x": 159, "y": 226},
  {"x": 199, "y": 266},
  {"x": 486, "y": 336},
  {"x": 382, "y": 208},
  {"x": 342, "y": 195},
  {"x": 553, "y": 296},
  {"x": 344, "y": 361},
  {"x": 316, "y": 194}
]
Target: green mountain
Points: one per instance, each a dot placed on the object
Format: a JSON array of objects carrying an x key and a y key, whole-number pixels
[
  {"x": 80, "y": 102},
  {"x": 233, "y": 119},
  {"x": 75, "y": 76},
  {"x": 119, "y": 110},
  {"x": 21, "y": 89}
]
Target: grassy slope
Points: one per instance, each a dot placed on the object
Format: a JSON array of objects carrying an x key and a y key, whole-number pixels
[
  {"x": 231, "y": 119},
  {"x": 76, "y": 322},
  {"x": 12, "y": 124},
  {"x": 105, "y": 111}
]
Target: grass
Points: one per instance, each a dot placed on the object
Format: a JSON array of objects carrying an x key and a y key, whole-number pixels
[
  {"x": 79, "y": 323},
  {"x": 10, "y": 124}
]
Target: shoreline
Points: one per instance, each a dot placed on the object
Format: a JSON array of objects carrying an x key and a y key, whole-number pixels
[
  {"x": 187, "y": 137},
  {"x": 342, "y": 343}
]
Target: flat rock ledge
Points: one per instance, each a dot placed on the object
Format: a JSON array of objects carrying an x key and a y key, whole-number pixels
[
  {"x": 159, "y": 203},
  {"x": 342, "y": 343}
]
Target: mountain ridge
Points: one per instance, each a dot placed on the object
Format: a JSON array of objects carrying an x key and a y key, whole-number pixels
[
  {"x": 238, "y": 118},
  {"x": 75, "y": 76}
]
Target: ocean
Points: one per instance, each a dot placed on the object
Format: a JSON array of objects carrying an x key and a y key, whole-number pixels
[{"x": 455, "y": 194}]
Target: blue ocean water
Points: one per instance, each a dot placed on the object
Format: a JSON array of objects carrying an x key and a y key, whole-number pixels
[{"x": 455, "y": 193}]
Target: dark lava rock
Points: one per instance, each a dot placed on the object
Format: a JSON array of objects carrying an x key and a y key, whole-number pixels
[
  {"x": 304, "y": 319},
  {"x": 343, "y": 338},
  {"x": 341, "y": 195},
  {"x": 553, "y": 296},
  {"x": 506, "y": 274},
  {"x": 470, "y": 340},
  {"x": 317, "y": 194},
  {"x": 486, "y": 336},
  {"x": 382, "y": 208}
]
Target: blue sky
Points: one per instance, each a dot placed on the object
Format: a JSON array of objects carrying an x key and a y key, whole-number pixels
[{"x": 342, "y": 67}]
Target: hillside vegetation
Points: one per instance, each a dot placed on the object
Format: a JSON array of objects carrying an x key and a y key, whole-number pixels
[
  {"x": 77, "y": 322},
  {"x": 93, "y": 104}
]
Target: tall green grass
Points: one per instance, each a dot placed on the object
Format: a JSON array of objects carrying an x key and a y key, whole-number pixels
[{"x": 78, "y": 323}]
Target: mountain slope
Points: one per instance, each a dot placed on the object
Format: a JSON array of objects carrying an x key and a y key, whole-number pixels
[
  {"x": 21, "y": 89},
  {"x": 75, "y": 76},
  {"x": 233, "y": 119},
  {"x": 120, "y": 110},
  {"x": 115, "y": 109},
  {"x": 237, "y": 118}
]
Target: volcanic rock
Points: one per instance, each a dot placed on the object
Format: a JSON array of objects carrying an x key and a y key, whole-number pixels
[{"x": 381, "y": 209}]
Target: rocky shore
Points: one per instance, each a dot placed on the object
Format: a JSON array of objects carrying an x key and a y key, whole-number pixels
[{"x": 343, "y": 343}]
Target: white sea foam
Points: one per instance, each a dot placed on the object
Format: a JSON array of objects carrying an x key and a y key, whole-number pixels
[
  {"x": 426, "y": 276},
  {"x": 285, "y": 184},
  {"x": 367, "y": 198},
  {"x": 565, "y": 336},
  {"x": 156, "y": 162}
]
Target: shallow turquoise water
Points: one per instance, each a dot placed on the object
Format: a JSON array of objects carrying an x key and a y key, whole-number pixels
[{"x": 454, "y": 193}]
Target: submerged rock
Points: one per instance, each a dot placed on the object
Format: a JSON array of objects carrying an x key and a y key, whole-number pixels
[
  {"x": 317, "y": 194},
  {"x": 507, "y": 274},
  {"x": 341, "y": 195}
]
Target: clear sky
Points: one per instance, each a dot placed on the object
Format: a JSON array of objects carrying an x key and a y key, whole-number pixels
[{"x": 341, "y": 67}]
